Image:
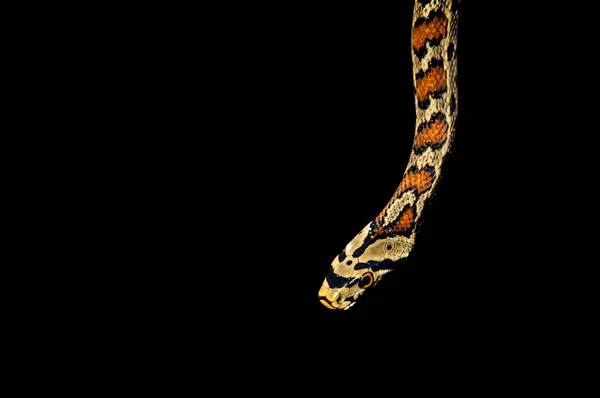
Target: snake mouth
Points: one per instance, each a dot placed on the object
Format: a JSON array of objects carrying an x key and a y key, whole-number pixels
[
  {"x": 327, "y": 303},
  {"x": 337, "y": 305}
]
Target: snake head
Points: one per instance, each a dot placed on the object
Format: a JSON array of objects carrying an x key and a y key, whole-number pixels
[
  {"x": 361, "y": 265},
  {"x": 341, "y": 293}
]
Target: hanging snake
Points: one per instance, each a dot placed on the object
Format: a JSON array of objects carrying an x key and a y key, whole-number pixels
[{"x": 384, "y": 243}]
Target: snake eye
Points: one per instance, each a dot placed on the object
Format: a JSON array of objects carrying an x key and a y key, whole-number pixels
[{"x": 366, "y": 280}]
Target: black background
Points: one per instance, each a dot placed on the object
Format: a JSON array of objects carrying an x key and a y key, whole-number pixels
[
  {"x": 286, "y": 129},
  {"x": 239, "y": 147}
]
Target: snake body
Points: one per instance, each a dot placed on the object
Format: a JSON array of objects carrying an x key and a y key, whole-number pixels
[{"x": 384, "y": 243}]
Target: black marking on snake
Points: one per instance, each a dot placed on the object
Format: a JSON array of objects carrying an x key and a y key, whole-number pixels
[
  {"x": 359, "y": 251},
  {"x": 452, "y": 104},
  {"x": 451, "y": 50},
  {"x": 342, "y": 255},
  {"x": 335, "y": 281},
  {"x": 378, "y": 265}
]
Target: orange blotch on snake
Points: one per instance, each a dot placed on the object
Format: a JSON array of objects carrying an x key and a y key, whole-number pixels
[
  {"x": 434, "y": 133},
  {"x": 405, "y": 221},
  {"x": 421, "y": 180},
  {"x": 432, "y": 82},
  {"x": 432, "y": 30}
]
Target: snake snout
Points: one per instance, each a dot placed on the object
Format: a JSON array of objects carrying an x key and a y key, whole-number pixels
[
  {"x": 331, "y": 299},
  {"x": 334, "y": 300}
]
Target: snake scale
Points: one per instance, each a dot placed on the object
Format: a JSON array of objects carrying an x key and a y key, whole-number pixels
[{"x": 384, "y": 243}]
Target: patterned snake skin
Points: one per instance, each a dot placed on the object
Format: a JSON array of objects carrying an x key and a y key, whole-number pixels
[{"x": 383, "y": 244}]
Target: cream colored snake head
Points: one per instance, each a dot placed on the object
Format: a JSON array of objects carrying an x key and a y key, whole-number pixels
[
  {"x": 361, "y": 264},
  {"x": 381, "y": 245}
]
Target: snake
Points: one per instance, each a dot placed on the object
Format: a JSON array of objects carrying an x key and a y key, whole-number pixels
[{"x": 385, "y": 243}]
